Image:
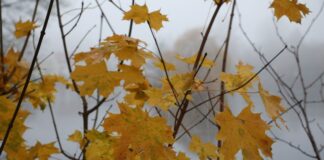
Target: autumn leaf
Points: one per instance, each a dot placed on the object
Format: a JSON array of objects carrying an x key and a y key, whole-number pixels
[
  {"x": 40, "y": 92},
  {"x": 139, "y": 134},
  {"x": 245, "y": 132},
  {"x": 272, "y": 105},
  {"x": 234, "y": 81},
  {"x": 100, "y": 146},
  {"x": 160, "y": 98},
  {"x": 164, "y": 97},
  {"x": 16, "y": 142},
  {"x": 15, "y": 69},
  {"x": 290, "y": 8},
  {"x": 23, "y": 28},
  {"x": 182, "y": 156},
  {"x": 191, "y": 60},
  {"x": 204, "y": 150},
  {"x": 156, "y": 19},
  {"x": 168, "y": 66},
  {"x": 43, "y": 151},
  {"x": 77, "y": 137},
  {"x": 95, "y": 76},
  {"x": 137, "y": 13}
]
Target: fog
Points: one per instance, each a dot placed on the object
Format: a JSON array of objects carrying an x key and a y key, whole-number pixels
[{"x": 186, "y": 20}]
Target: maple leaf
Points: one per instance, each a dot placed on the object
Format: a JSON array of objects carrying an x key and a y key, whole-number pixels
[
  {"x": 95, "y": 76},
  {"x": 168, "y": 66},
  {"x": 272, "y": 105},
  {"x": 156, "y": 19},
  {"x": 100, "y": 146},
  {"x": 181, "y": 156},
  {"x": 126, "y": 48},
  {"x": 77, "y": 137},
  {"x": 15, "y": 69},
  {"x": 39, "y": 93},
  {"x": 245, "y": 132},
  {"x": 290, "y": 8},
  {"x": 191, "y": 60},
  {"x": 43, "y": 151},
  {"x": 164, "y": 97},
  {"x": 204, "y": 150},
  {"x": 135, "y": 93},
  {"x": 15, "y": 142},
  {"x": 160, "y": 98},
  {"x": 233, "y": 81},
  {"x": 139, "y": 135},
  {"x": 137, "y": 13},
  {"x": 23, "y": 28}
]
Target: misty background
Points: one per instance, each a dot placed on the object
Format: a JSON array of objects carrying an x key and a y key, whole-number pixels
[{"x": 187, "y": 19}]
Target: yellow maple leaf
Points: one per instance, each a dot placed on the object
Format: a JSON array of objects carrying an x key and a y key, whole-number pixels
[
  {"x": 95, "y": 76},
  {"x": 168, "y": 66},
  {"x": 16, "y": 142},
  {"x": 40, "y": 92},
  {"x": 77, "y": 137},
  {"x": 137, "y": 13},
  {"x": 204, "y": 150},
  {"x": 15, "y": 69},
  {"x": 164, "y": 97},
  {"x": 191, "y": 60},
  {"x": 127, "y": 48},
  {"x": 245, "y": 132},
  {"x": 100, "y": 146},
  {"x": 233, "y": 81},
  {"x": 139, "y": 134},
  {"x": 23, "y": 28},
  {"x": 156, "y": 19},
  {"x": 182, "y": 156},
  {"x": 272, "y": 105},
  {"x": 290, "y": 8},
  {"x": 43, "y": 151},
  {"x": 160, "y": 98}
]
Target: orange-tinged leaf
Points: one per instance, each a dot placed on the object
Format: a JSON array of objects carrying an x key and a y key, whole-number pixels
[
  {"x": 23, "y": 28},
  {"x": 204, "y": 150},
  {"x": 156, "y": 19},
  {"x": 100, "y": 146},
  {"x": 272, "y": 105},
  {"x": 43, "y": 151},
  {"x": 139, "y": 134},
  {"x": 246, "y": 132},
  {"x": 137, "y": 13},
  {"x": 95, "y": 76},
  {"x": 290, "y": 8}
]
